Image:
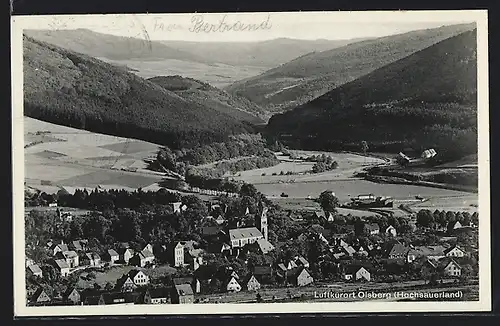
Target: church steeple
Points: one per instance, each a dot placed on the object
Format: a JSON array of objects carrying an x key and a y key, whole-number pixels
[{"x": 261, "y": 220}]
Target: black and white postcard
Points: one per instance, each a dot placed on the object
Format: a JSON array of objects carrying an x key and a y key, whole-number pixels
[{"x": 292, "y": 162}]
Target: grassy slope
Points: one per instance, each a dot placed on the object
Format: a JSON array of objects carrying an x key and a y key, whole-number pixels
[
  {"x": 268, "y": 54},
  {"x": 198, "y": 91},
  {"x": 310, "y": 76},
  {"x": 71, "y": 89},
  {"x": 109, "y": 46},
  {"x": 426, "y": 99}
]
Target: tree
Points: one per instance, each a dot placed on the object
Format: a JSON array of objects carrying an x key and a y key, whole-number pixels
[
  {"x": 328, "y": 201},
  {"x": 319, "y": 167},
  {"x": 258, "y": 298},
  {"x": 425, "y": 218}
]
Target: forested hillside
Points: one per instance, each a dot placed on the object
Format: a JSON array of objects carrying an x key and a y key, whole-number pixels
[
  {"x": 312, "y": 75},
  {"x": 200, "y": 92},
  {"x": 71, "y": 89},
  {"x": 425, "y": 100}
]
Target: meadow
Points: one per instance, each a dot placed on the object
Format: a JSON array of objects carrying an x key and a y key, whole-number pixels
[
  {"x": 66, "y": 156},
  {"x": 218, "y": 75}
]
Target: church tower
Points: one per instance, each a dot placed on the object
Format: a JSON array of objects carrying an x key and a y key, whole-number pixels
[{"x": 261, "y": 221}]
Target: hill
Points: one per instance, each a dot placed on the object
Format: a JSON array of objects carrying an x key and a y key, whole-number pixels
[
  {"x": 268, "y": 54},
  {"x": 312, "y": 75},
  {"x": 427, "y": 99},
  {"x": 200, "y": 92},
  {"x": 112, "y": 47},
  {"x": 75, "y": 90}
]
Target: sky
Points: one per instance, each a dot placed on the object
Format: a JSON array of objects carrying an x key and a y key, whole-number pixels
[{"x": 247, "y": 27}]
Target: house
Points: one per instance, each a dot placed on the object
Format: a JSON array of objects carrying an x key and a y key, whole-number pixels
[
  {"x": 454, "y": 251},
  {"x": 211, "y": 232},
  {"x": 121, "y": 297},
  {"x": 72, "y": 295},
  {"x": 397, "y": 251},
  {"x": 178, "y": 253},
  {"x": 263, "y": 274},
  {"x": 178, "y": 207},
  {"x": 430, "y": 252},
  {"x": 250, "y": 283},
  {"x": 231, "y": 284},
  {"x": 301, "y": 261},
  {"x": 112, "y": 256},
  {"x": 349, "y": 250},
  {"x": 138, "y": 277},
  {"x": 159, "y": 296},
  {"x": 125, "y": 284},
  {"x": 79, "y": 245},
  {"x": 194, "y": 257},
  {"x": 125, "y": 254},
  {"x": 299, "y": 277},
  {"x": 142, "y": 258},
  {"x": 452, "y": 226},
  {"x": 360, "y": 250},
  {"x": 240, "y": 237},
  {"x": 35, "y": 270},
  {"x": 449, "y": 267},
  {"x": 29, "y": 261},
  {"x": 60, "y": 247},
  {"x": 92, "y": 299},
  {"x": 219, "y": 248},
  {"x": 62, "y": 267},
  {"x": 391, "y": 230},
  {"x": 282, "y": 270},
  {"x": 182, "y": 294},
  {"x": 372, "y": 228},
  {"x": 70, "y": 256},
  {"x": 291, "y": 264},
  {"x": 356, "y": 273},
  {"x": 90, "y": 259},
  {"x": 264, "y": 246},
  {"x": 40, "y": 297}
]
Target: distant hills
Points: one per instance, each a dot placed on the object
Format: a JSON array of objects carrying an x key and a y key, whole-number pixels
[
  {"x": 267, "y": 54},
  {"x": 75, "y": 90},
  {"x": 111, "y": 47},
  {"x": 312, "y": 75},
  {"x": 427, "y": 99},
  {"x": 200, "y": 92}
]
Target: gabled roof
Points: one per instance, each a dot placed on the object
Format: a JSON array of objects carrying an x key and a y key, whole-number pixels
[
  {"x": 182, "y": 280},
  {"x": 122, "y": 280},
  {"x": 92, "y": 256},
  {"x": 38, "y": 293},
  {"x": 302, "y": 261},
  {"x": 195, "y": 252},
  {"x": 147, "y": 254},
  {"x": 349, "y": 250},
  {"x": 262, "y": 270},
  {"x": 265, "y": 246},
  {"x": 446, "y": 251},
  {"x": 35, "y": 269},
  {"x": 296, "y": 271},
  {"x": 63, "y": 247},
  {"x": 243, "y": 233},
  {"x": 112, "y": 252},
  {"x": 444, "y": 262},
  {"x": 183, "y": 289},
  {"x": 282, "y": 267},
  {"x": 248, "y": 277},
  {"x": 68, "y": 291},
  {"x": 70, "y": 254},
  {"x": 427, "y": 250},
  {"x": 210, "y": 230},
  {"x": 61, "y": 263},
  {"x": 157, "y": 293},
  {"x": 398, "y": 249},
  {"x": 133, "y": 273},
  {"x": 353, "y": 269}
]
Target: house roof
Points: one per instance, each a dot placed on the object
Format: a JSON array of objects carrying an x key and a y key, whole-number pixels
[
  {"x": 210, "y": 230},
  {"x": 243, "y": 233},
  {"x": 444, "y": 262},
  {"x": 70, "y": 254},
  {"x": 63, "y": 247},
  {"x": 353, "y": 269},
  {"x": 262, "y": 270},
  {"x": 133, "y": 273},
  {"x": 446, "y": 251},
  {"x": 302, "y": 261},
  {"x": 282, "y": 266},
  {"x": 398, "y": 249},
  {"x": 112, "y": 252},
  {"x": 350, "y": 250},
  {"x": 182, "y": 280},
  {"x": 35, "y": 269},
  {"x": 38, "y": 293},
  {"x": 296, "y": 271},
  {"x": 183, "y": 289},
  {"x": 265, "y": 246},
  {"x": 427, "y": 250},
  {"x": 68, "y": 291},
  {"x": 147, "y": 254},
  {"x": 92, "y": 255},
  {"x": 196, "y": 252},
  {"x": 122, "y": 280},
  {"x": 61, "y": 263}
]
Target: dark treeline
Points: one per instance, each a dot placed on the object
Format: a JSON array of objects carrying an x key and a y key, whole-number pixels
[{"x": 107, "y": 99}]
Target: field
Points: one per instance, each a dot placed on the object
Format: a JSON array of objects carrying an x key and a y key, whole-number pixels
[
  {"x": 115, "y": 272},
  {"x": 63, "y": 156},
  {"x": 218, "y": 75}
]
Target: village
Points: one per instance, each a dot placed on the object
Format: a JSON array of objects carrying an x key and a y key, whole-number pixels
[{"x": 242, "y": 255}]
